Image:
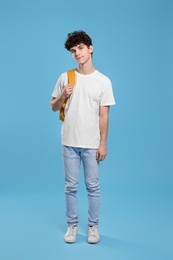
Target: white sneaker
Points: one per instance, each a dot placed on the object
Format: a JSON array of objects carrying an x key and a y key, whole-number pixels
[
  {"x": 70, "y": 236},
  {"x": 93, "y": 235}
]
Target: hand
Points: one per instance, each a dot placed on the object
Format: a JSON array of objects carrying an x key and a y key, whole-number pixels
[
  {"x": 101, "y": 153},
  {"x": 68, "y": 89}
]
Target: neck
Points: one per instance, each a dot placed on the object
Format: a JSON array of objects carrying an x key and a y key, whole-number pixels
[{"x": 86, "y": 68}]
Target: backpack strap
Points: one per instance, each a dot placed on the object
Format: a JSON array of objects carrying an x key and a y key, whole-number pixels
[
  {"x": 71, "y": 80},
  {"x": 71, "y": 77}
]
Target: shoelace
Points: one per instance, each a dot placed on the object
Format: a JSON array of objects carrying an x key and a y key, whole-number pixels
[
  {"x": 93, "y": 229},
  {"x": 71, "y": 231}
]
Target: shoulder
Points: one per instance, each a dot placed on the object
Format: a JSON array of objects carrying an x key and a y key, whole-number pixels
[
  {"x": 103, "y": 79},
  {"x": 62, "y": 79},
  {"x": 63, "y": 75}
]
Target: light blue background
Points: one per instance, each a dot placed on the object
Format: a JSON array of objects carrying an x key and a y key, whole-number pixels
[{"x": 133, "y": 46}]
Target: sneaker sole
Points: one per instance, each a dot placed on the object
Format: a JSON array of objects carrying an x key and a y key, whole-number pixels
[
  {"x": 70, "y": 242},
  {"x": 92, "y": 242}
]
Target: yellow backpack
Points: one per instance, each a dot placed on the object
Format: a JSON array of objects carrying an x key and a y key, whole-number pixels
[{"x": 71, "y": 80}]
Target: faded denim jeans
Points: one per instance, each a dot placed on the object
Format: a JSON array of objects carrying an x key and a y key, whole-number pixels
[{"x": 72, "y": 157}]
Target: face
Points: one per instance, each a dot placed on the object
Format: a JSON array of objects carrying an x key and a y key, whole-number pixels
[{"x": 81, "y": 53}]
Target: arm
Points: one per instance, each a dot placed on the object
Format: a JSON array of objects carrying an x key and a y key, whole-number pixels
[
  {"x": 56, "y": 103},
  {"x": 103, "y": 121}
]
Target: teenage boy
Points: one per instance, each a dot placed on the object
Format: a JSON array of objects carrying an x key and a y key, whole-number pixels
[{"x": 84, "y": 131}]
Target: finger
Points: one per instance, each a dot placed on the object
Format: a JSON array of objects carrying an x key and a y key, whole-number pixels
[
  {"x": 102, "y": 157},
  {"x": 97, "y": 155},
  {"x": 70, "y": 87},
  {"x": 70, "y": 90}
]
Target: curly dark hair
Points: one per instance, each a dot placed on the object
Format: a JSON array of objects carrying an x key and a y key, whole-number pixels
[{"x": 77, "y": 37}]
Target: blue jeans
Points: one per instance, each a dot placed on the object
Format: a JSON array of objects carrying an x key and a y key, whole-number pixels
[{"x": 72, "y": 157}]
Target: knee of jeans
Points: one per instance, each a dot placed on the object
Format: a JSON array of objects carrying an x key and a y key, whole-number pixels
[
  {"x": 93, "y": 186},
  {"x": 71, "y": 187}
]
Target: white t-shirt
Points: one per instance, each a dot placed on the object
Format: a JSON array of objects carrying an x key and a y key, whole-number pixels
[{"x": 81, "y": 124}]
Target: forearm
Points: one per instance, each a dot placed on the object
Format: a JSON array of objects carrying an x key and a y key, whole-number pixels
[
  {"x": 56, "y": 103},
  {"x": 103, "y": 121}
]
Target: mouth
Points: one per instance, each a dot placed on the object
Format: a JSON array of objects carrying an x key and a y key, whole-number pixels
[{"x": 79, "y": 58}]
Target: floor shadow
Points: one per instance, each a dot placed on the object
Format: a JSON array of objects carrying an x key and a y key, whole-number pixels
[
  {"x": 137, "y": 249},
  {"x": 111, "y": 242}
]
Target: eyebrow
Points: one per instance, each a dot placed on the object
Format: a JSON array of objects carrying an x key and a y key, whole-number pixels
[{"x": 77, "y": 46}]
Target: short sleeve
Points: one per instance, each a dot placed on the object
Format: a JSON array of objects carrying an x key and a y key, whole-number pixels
[
  {"x": 61, "y": 82},
  {"x": 107, "y": 98}
]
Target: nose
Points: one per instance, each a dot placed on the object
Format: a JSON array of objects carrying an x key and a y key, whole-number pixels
[{"x": 77, "y": 52}]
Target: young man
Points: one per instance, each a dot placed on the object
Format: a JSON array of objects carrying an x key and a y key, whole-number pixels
[{"x": 84, "y": 131}]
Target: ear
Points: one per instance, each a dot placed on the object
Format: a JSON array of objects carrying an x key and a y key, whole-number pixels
[{"x": 91, "y": 49}]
